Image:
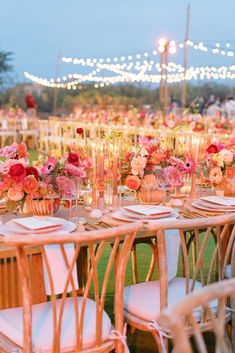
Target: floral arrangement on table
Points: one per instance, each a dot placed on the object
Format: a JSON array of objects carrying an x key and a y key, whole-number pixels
[
  {"x": 218, "y": 162},
  {"x": 20, "y": 182},
  {"x": 145, "y": 163},
  {"x": 17, "y": 178}
]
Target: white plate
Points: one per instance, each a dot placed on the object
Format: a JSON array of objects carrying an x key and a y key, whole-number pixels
[
  {"x": 11, "y": 226},
  {"x": 157, "y": 216},
  {"x": 123, "y": 217},
  {"x": 198, "y": 204}
]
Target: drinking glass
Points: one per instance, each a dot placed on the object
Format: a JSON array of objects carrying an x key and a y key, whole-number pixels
[{"x": 69, "y": 193}]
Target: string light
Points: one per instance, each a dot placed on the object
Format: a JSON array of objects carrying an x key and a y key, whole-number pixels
[
  {"x": 176, "y": 74},
  {"x": 216, "y": 49}
]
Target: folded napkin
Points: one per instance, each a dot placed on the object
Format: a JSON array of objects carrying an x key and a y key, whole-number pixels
[
  {"x": 146, "y": 211},
  {"x": 36, "y": 223},
  {"x": 58, "y": 268},
  {"x": 223, "y": 201}
]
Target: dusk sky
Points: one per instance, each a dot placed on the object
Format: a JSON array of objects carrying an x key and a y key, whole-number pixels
[{"x": 36, "y": 30}]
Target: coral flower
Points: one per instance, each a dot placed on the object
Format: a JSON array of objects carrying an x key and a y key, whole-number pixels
[
  {"x": 149, "y": 182},
  {"x": 133, "y": 182},
  {"x": 22, "y": 150},
  {"x": 3, "y": 186},
  {"x": 215, "y": 175},
  {"x": 30, "y": 184},
  {"x": 15, "y": 195}
]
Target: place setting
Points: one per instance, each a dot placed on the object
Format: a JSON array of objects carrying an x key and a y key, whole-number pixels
[
  {"x": 143, "y": 213},
  {"x": 36, "y": 225},
  {"x": 215, "y": 204}
]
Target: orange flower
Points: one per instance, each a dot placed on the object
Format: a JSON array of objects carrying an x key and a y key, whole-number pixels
[
  {"x": 149, "y": 182},
  {"x": 15, "y": 195},
  {"x": 30, "y": 184},
  {"x": 22, "y": 150},
  {"x": 156, "y": 158},
  {"x": 133, "y": 182}
]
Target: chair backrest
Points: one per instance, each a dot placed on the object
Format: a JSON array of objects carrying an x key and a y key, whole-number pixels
[
  {"x": 212, "y": 243},
  {"x": 183, "y": 324},
  {"x": 120, "y": 240}
]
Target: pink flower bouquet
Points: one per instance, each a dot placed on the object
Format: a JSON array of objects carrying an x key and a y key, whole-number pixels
[
  {"x": 144, "y": 162},
  {"x": 219, "y": 158}
]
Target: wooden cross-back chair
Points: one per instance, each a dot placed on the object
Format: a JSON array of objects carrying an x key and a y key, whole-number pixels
[
  {"x": 184, "y": 324},
  {"x": 144, "y": 301},
  {"x": 70, "y": 323}
]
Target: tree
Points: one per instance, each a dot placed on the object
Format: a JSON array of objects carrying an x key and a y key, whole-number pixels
[{"x": 5, "y": 58}]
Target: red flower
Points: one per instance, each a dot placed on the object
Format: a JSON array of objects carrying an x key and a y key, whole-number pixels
[
  {"x": 73, "y": 158},
  {"x": 79, "y": 130},
  {"x": 151, "y": 149},
  {"x": 212, "y": 149},
  {"x": 17, "y": 171},
  {"x": 149, "y": 137},
  {"x": 32, "y": 171}
]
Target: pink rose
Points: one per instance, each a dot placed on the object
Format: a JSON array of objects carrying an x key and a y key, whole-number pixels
[
  {"x": 138, "y": 165},
  {"x": 227, "y": 156},
  {"x": 75, "y": 171},
  {"x": 133, "y": 182},
  {"x": 15, "y": 195},
  {"x": 173, "y": 176}
]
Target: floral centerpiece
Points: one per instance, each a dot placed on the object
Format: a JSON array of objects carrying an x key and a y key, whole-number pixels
[
  {"x": 65, "y": 171},
  {"x": 17, "y": 178},
  {"x": 150, "y": 160},
  {"x": 218, "y": 164},
  {"x": 38, "y": 186}
]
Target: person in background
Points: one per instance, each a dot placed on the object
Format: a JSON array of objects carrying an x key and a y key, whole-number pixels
[
  {"x": 31, "y": 104},
  {"x": 201, "y": 105},
  {"x": 213, "y": 109},
  {"x": 230, "y": 107}
]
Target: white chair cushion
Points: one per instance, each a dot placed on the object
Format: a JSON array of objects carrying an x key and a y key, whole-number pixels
[
  {"x": 143, "y": 299},
  {"x": 228, "y": 271},
  {"x": 11, "y": 325}
]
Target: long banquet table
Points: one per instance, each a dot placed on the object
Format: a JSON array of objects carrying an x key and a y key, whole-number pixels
[{"x": 10, "y": 294}]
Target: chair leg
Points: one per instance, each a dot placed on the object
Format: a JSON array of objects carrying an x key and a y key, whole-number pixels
[
  {"x": 129, "y": 333},
  {"x": 158, "y": 342},
  {"x": 233, "y": 331},
  {"x": 153, "y": 262},
  {"x": 134, "y": 264},
  {"x": 228, "y": 343}
]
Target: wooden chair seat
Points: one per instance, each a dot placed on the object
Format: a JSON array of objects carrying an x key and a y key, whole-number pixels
[
  {"x": 143, "y": 299},
  {"x": 180, "y": 318},
  {"x": 144, "y": 302},
  {"x": 72, "y": 323},
  {"x": 42, "y": 325}
]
